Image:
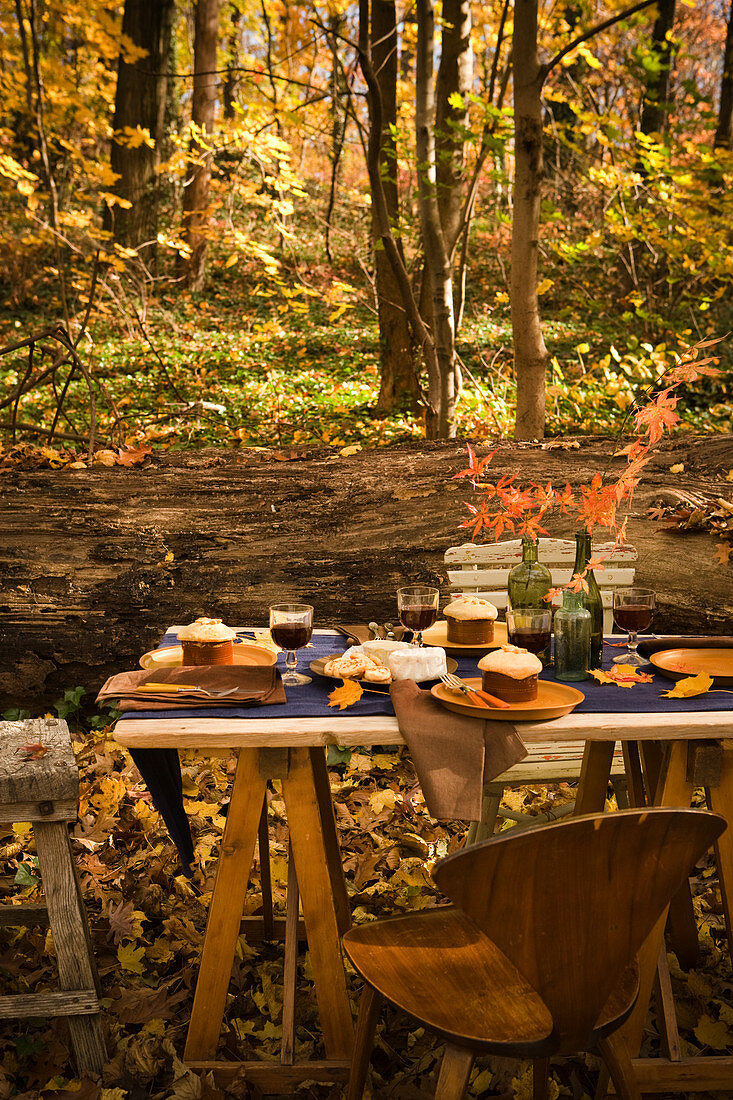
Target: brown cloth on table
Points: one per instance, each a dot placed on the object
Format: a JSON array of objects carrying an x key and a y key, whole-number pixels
[
  {"x": 454, "y": 754},
  {"x": 655, "y": 645},
  {"x": 257, "y": 685}
]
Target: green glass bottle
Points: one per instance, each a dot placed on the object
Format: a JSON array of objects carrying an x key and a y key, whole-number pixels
[
  {"x": 591, "y": 598},
  {"x": 572, "y": 638},
  {"x": 529, "y": 581}
]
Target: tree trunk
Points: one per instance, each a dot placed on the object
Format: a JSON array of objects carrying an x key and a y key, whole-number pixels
[
  {"x": 724, "y": 132},
  {"x": 231, "y": 83},
  {"x": 655, "y": 103},
  {"x": 94, "y": 564},
  {"x": 440, "y": 418},
  {"x": 455, "y": 77},
  {"x": 203, "y": 113},
  {"x": 140, "y": 100},
  {"x": 398, "y": 358},
  {"x": 530, "y": 353}
]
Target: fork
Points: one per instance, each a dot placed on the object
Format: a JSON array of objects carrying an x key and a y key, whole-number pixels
[
  {"x": 186, "y": 687},
  {"x": 476, "y": 696}
]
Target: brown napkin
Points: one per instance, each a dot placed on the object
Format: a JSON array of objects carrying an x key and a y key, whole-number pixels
[
  {"x": 256, "y": 685},
  {"x": 454, "y": 754},
  {"x": 655, "y": 645}
]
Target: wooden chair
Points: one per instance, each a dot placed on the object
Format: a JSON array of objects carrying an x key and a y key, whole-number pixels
[
  {"x": 483, "y": 570},
  {"x": 45, "y": 792},
  {"x": 538, "y": 955}
]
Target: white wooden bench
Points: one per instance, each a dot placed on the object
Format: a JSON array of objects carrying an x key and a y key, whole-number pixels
[{"x": 483, "y": 569}]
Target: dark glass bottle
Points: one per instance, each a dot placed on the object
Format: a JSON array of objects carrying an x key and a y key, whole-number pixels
[
  {"x": 591, "y": 598},
  {"x": 529, "y": 581}
]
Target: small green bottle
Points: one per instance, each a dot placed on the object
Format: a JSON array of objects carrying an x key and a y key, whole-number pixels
[
  {"x": 529, "y": 581},
  {"x": 572, "y": 638},
  {"x": 591, "y": 597}
]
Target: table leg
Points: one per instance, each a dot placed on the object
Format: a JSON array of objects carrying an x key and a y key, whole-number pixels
[
  {"x": 330, "y": 838},
  {"x": 720, "y": 799},
  {"x": 227, "y": 906},
  {"x": 307, "y": 836},
  {"x": 673, "y": 789},
  {"x": 595, "y": 773}
]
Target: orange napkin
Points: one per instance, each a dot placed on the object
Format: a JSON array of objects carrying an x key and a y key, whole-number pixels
[{"x": 256, "y": 685}]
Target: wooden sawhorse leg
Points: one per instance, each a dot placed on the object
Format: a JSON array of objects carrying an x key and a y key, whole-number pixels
[{"x": 323, "y": 895}]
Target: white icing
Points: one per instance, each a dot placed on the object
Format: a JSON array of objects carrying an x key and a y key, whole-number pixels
[
  {"x": 380, "y": 648},
  {"x": 512, "y": 661},
  {"x": 470, "y": 607},
  {"x": 417, "y": 663},
  {"x": 206, "y": 630}
]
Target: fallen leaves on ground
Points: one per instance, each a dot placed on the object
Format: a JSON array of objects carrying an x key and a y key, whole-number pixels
[
  {"x": 148, "y": 923},
  {"x": 689, "y": 686}
]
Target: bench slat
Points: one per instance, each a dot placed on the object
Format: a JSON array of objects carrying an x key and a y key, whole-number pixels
[
  {"x": 486, "y": 578},
  {"x": 551, "y": 552}
]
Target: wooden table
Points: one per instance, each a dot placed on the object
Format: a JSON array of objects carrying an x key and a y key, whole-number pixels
[{"x": 291, "y": 749}]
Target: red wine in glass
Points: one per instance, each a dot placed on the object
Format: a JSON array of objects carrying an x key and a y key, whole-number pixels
[
  {"x": 291, "y": 635},
  {"x": 291, "y": 627},
  {"x": 536, "y": 641},
  {"x": 418, "y": 617},
  {"x": 633, "y": 617}
]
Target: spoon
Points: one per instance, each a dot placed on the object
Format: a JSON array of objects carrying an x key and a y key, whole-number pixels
[
  {"x": 389, "y": 630},
  {"x": 374, "y": 627}
]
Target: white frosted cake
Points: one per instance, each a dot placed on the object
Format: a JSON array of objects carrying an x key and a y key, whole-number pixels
[
  {"x": 511, "y": 673},
  {"x": 470, "y": 620},
  {"x": 417, "y": 663}
]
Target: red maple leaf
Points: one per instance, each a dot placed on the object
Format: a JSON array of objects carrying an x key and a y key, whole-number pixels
[{"x": 658, "y": 416}]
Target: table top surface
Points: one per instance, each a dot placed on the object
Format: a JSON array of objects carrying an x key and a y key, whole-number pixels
[{"x": 217, "y": 733}]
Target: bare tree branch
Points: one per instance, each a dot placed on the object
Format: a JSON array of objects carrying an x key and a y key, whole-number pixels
[{"x": 617, "y": 18}]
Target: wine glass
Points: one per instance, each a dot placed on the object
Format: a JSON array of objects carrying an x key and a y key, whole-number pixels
[
  {"x": 633, "y": 609},
  {"x": 291, "y": 627},
  {"x": 531, "y": 628},
  {"x": 418, "y": 608}
]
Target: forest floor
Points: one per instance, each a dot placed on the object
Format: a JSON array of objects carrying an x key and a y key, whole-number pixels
[{"x": 148, "y": 920}]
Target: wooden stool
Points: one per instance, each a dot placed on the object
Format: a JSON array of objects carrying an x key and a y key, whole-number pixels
[{"x": 45, "y": 792}]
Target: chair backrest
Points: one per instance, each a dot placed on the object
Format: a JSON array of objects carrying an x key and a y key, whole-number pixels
[
  {"x": 483, "y": 569},
  {"x": 570, "y": 904}
]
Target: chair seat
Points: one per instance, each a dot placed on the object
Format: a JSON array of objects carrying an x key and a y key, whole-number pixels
[{"x": 437, "y": 966}]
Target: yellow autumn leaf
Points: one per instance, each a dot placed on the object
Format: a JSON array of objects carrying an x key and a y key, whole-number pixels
[
  {"x": 131, "y": 958},
  {"x": 352, "y": 450},
  {"x": 624, "y": 676},
  {"x": 713, "y": 1033},
  {"x": 689, "y": 686},
  {"x": 677, "y": 468},
  {"x": 349, "y": 692},
  {"x": 382, "y": 800}
]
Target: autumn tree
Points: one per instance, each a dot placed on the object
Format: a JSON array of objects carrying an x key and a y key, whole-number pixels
[
  {"x": 203, "y": 114},
  {"x": 724, "y": 131},
  {"x": 138, "y": 124}
]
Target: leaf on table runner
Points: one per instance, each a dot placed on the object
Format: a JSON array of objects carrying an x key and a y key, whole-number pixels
[
  {"x": 34, "y": 750},
  {"x": 689, "y": 686},
  {"x": 622, "y": 676},
  {"x": 713, "y": 1033},
  {"x": 349, "y": 692},
  {"x": 264, "y": 638}
]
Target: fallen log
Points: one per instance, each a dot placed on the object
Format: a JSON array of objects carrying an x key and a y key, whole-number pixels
[{"x": 95, "y": 563}]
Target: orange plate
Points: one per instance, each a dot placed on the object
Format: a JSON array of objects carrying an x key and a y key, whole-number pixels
[
  {"x": 320, "y": 663},
  {"x": 437, "y": 634},
  {"x": 676, "y": 663},
  {"x": 553, "y": 700},
  {"x": 245, "y": 653}
]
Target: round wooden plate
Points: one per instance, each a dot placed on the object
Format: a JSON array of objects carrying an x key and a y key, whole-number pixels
[
  {"x": 245, "y": 653},
  {"x": 676, "y": 663},
  {"x": 437, "y": 634},
  {"x": 320, "y": 663},
  {"x": 553, "y": 700}
]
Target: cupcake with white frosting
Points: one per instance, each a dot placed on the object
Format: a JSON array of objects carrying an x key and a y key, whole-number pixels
[
  {"x": 470, "y": 621},
  {"x": 207, "y": 642},
  {"x": 511, "y": 674}
]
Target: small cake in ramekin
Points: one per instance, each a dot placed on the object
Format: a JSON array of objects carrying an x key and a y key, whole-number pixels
[
  {"x": 207, "y": 642},
  {"x": 470, "y": 621},
  {"x": 511, "y": 674}
]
